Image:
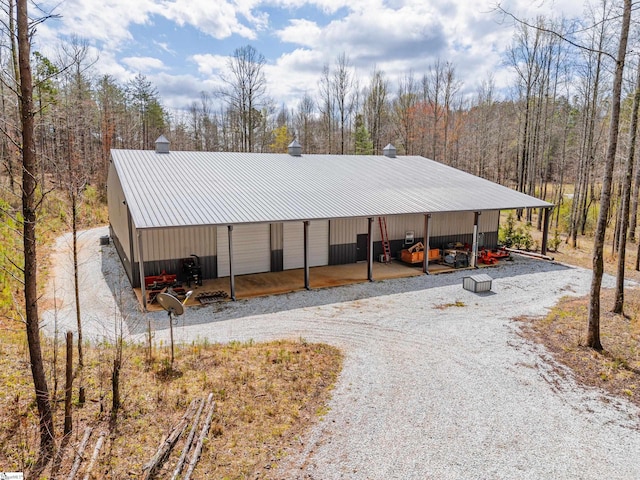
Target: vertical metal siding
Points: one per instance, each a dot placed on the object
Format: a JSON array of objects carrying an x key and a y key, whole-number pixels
[
  {"x": 293, "y": 244},
  {"x": 117, "y": 210},
  {"x": 345, "y": 230},
  {"x": 251, "y": 249},
  {"x": 398, "y": 226},
  {"x": 457, "y": 223},
  {"x": 178, "y": 243},
  {"x": 276, "y": 236},
  {"x": 489, "y": 221}
]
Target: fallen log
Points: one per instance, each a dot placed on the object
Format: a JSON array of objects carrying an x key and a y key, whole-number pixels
[
  {"x": 155, "y": 464},
  {"x": 529, "y": 254},
  {"x": 79, "y": 453},
  {"x": 203, "y": 434},
  {"x": 94, "y": 457},
  {"x": 192, "y": 434}
]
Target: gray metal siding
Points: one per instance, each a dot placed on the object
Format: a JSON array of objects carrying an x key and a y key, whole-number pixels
[
  {"x": 341, "y": 254},
  {"x": 276, "y": 247},
  {"x": 117, "y": 208},
  {"x": 177, "y": 243},
  {"x": 345, "y": 230}
]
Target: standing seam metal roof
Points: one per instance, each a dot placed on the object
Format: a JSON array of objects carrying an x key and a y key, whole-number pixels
[{"x": 219, "y": 188}]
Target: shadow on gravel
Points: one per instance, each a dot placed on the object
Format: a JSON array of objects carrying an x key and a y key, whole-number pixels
[{"x": 137, "y": 321}]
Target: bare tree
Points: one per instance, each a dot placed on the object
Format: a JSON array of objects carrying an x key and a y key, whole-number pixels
[
  {"x": 245, "y": 92},
  {"x": 404, "y": 115},
  {"x": 326, "y": 104},
  {"x": 626, "y": 197},
  {"x": 30, "y": 203},
  {"x": 342, "y": 85},
  {"x": 593, "y": 333},
  {"x": 376, "y": 108},
  {"x": 304, "y": 120}
]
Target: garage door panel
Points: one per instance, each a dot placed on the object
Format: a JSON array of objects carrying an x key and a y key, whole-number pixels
[
  {"x": 293, "y": 244},
  {"x": 251, "y": 249}
]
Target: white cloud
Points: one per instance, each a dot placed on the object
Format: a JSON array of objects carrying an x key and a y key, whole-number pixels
[
  {"x": 216, "y": 18},
  {"x": 144, "y": 64},
  {"x": 106, "y": 22},
  {"x": 301, "y": 32},
  {"x": 394, "y": 35},
  {"x": 208, "y": 64}
]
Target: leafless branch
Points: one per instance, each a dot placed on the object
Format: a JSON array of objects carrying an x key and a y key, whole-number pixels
[
  {"x": 6, "y": 134},
  {"x": 11, "y": 274},
  {"x": 553, "y": 32}
]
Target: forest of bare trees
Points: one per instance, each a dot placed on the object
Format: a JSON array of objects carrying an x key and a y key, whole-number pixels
[{"x": 545, "y": 136}]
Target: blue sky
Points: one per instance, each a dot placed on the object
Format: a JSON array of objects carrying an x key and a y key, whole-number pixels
[{"x": 182, "y": 46}]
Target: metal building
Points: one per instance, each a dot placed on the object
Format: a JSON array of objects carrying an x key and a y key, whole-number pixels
[{"x": 245, "y": 213}]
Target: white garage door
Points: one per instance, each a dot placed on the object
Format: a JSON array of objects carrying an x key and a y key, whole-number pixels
[
  {"x": 293, "y": 244},
  {"x": 251, "y": 249}
]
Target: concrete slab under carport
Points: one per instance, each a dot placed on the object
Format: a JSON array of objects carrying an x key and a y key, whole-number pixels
[{"x": 274, "y": 283}]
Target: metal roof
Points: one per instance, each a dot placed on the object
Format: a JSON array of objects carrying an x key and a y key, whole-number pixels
[{"x": 217, "y": 188}]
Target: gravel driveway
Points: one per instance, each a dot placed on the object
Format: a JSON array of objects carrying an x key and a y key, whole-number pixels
[{"x": 429, "y": 389}]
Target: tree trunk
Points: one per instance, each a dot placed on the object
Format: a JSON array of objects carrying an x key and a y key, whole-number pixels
[
  {"x": 626, "y": 196},
  {"x": 68, "y": 425},
  {"x": 593, "y": 333},
  {"x": 29, "y": 207},
  {"x": 76, "y": 286}
]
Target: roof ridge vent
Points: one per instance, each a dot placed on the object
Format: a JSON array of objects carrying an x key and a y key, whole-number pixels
[
  {"x": 389, "y": 151},
  {"x": 162, "y": 144},
  {"x": 295, "y": 149}
]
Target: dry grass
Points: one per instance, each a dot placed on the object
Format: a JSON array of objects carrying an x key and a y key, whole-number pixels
[
  {"x": 564, "y": 330},
  {"x": 266, "y": 395}
]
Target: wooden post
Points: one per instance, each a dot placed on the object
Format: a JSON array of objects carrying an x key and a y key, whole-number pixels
[
  {"x": 143, "y": 288},
  {"x": 370, "y": 250},
  {"x": 68, "y": 425},
  {"x": 427, "y": 235},
  {"x": 232, "y": 280},
  {"x": 474, "y": 248},
  {"x": 545, "y": 231},
  {"x": 306, "y": 256}
]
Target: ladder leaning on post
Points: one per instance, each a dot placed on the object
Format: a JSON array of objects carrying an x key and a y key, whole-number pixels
[{"x": 386, "y": 247}]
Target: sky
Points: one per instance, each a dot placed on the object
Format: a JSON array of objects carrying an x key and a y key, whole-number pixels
[{"x": 182, "y": 46}]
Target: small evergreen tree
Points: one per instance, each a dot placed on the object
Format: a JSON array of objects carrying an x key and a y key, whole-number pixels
[{"x": 364, "y": 144}]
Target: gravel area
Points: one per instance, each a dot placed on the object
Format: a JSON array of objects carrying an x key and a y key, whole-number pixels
[{"x": 428, "y": 390}]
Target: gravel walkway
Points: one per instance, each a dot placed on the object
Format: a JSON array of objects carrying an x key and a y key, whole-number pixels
[{"x": 428, "y": 390}]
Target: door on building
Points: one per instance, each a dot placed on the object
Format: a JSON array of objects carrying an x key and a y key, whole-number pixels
[
  {"x": 293, "y": 244},
  {"x": 361, "y": 246},
  {"x": 251, "y": 249}
]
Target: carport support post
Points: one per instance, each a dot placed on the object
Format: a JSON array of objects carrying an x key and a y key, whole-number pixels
[
  {"x": 232, "y": 279},
  {"x": 545, "y": 231},
  {"x": 370, "y": 250},
  {"x": 143, "y": 290},
  {"x": 427, "y": 235},
  {"x": 474, "y": 249},
  {"x": 306, "y": 255}
]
